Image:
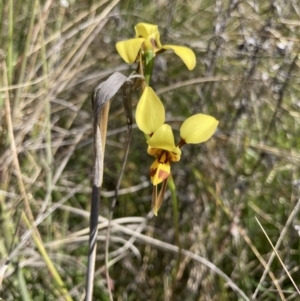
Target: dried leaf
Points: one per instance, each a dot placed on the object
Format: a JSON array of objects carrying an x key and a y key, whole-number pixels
[{"x": 102, "y": 95}]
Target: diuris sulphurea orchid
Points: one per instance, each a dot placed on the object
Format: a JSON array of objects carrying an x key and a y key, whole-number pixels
[
  {"x": 147, "y": 41},
  {"x": 150, "y": 118}
]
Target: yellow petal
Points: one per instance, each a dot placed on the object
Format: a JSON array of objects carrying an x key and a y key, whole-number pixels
[
  {"x": 186, "y": 54},
  {"x": 129, "y": 49},
  {"x": 145, "y": 30},
  {"x": 175, "y": 156},
  {"x": 150, "y": 112},
  {"x": 163, "y": 139},
  {"x": 150, "y": 33},
  {"x": 198, "y": 128},
  {"x": 159, "y": 171}
]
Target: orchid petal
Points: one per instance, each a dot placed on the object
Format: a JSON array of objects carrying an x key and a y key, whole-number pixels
[
  {"x": 129, "y": 49},
  {"x": 156, "y": 152},
  {"x": 145, "y": 30},
  {"x": 185, "y": 53},
  {"x": 163, "y": 139},
  {"x": 159, "y": 171},
  {"x": 150, "y": 112},
  {"x": 150, "y": 33},
  {"x": 198, "y": 128}
]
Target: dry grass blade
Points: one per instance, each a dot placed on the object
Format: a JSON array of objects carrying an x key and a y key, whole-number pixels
[
  {"x": 101, "y": 98},
  {"x": 127, "y": 89},
  {"x": 171, "y": 248},
  {"x": 27, "y": 215},
  {"x": 3, "y": 266},
  {"x": 275, "y": 251},
  {"x": 278, "y": 243}
]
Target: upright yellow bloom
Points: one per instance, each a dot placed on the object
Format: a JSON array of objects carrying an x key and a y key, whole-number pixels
[
  {"x": 150, "y": 119},
  {"x": 147, "y": 40},
  {"x": 161, "y": 145}
]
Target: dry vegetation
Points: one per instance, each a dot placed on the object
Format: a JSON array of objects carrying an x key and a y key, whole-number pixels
[{"x": 247, "y": 75}]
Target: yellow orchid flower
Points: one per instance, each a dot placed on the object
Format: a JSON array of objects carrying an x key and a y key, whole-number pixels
[
  {"x": 150, "y": 119},
  {"x": 195, "y": 129},
  {"x": 147, "y": 40},
  {"x": 162, "y": 146}
]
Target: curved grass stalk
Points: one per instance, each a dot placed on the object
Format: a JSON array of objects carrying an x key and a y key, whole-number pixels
[{"x": 27, "y": 215}]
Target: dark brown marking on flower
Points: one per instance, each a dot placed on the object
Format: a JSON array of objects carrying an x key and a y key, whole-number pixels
[
  {"x": 154, "y": 44},
  {"x": 164, "y": 157},
  {"x": 153, "y": 172},
  {"x": 181, "y": 143}
]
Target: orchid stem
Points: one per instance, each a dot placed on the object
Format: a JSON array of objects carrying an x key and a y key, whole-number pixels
[
  {"x": 172, "y": 188},
  {"x": 149, "y": 63}
]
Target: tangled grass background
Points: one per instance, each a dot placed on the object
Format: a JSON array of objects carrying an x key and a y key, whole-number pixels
[{"x": 54, "y": 53}]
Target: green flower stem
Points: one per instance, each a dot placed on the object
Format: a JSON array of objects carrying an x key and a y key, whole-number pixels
[
  {"x": 149, "y": 63},
  {"x": 172, "y": 187}
]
